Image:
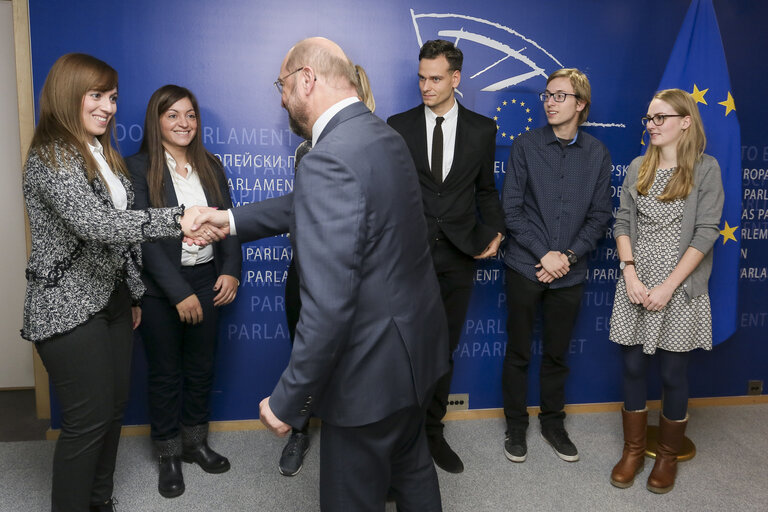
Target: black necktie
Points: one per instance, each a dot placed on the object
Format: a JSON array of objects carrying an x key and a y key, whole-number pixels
[{"x": 437, "y": 151}]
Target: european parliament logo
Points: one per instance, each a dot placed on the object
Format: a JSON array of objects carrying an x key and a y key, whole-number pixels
[{"x": 504, "y": 70}]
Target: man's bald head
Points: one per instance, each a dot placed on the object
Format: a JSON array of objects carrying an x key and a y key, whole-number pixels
[{"x": 326, "y": 58}]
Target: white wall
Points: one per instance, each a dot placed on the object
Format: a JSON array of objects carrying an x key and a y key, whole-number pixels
[{"x": 15, "y": 353}]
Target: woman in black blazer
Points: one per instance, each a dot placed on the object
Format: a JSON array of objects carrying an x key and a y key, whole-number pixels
[{"x": 186, "y": 285}]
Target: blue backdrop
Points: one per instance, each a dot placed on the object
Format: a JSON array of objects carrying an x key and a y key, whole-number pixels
[{"x": 229, "y": 53}]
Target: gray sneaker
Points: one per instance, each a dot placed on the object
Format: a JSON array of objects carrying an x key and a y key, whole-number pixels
[
  {"x": 515, "y": 447},
  {"x": 292, "y": 458},
  {"x": 558, "y": 439}
]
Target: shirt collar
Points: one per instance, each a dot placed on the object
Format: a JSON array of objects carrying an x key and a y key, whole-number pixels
[
  {"x": 96, "y": 147},
  {"x": 553, "y": 138},
  {"x": 171, "y": 163},
  {"x": 322, "y": 121},
  {"x": 431, "y": 116}
]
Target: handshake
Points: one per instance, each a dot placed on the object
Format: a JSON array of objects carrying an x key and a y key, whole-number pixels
[{"x": 202, "y": 225}]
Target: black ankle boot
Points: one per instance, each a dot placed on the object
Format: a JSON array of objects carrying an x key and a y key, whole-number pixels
[
  {"x": 196, "y": 449},
  {"x": 170, "y": 482}
]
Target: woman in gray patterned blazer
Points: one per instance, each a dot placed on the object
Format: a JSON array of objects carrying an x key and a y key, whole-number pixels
[{"x": 83, "y": 274}]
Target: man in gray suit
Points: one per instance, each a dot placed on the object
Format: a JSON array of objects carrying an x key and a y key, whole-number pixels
[{"x": 371, "y": 338}]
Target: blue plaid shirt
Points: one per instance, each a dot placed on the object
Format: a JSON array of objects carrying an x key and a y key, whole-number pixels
[{"x": 555, "y": 198}]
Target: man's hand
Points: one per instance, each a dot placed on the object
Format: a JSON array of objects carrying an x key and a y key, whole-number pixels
[
  {"x": 492, "y": 248},
  {"x": 227, "y": 288},
  {"x": 555, "y": 263},
  {"x": 190, "y": 310},
  {"x": 271, "y": 421},
  {"x": 203, "y": 225}
]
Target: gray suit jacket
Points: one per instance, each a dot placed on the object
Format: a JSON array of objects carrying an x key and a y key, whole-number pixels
[
  {"x": 701, "y": 217},
  {"x": 371, "y": 337}
]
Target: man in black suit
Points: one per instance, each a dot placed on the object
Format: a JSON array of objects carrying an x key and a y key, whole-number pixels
[
  {"x": 461, "y": 204},
  {"x": 370, "y": 342}
]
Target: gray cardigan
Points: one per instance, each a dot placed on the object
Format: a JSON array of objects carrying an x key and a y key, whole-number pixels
[
  {"x": 82, "y": 247},
  {"x": 701, "y": 217}
]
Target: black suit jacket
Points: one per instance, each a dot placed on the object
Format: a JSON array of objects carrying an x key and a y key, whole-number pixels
[
  {"x": 371, "y": 337},
  {"x": 465, "y": 208},
  {"x": 162, "y": 259}
]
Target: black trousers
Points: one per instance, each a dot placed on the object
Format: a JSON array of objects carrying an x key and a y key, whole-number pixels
[
  {"x": 89, "y": 368},
  {"x": 180, "y": 357},
  {"x": 360, "y": 465},
  {"x": 455, "y": 271},
  {"x": 560, "y": 308}
]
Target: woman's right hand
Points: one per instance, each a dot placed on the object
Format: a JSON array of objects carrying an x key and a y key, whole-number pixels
[
  {"x": 636, "y": 291},
  {"x": 190, "y": 310}
]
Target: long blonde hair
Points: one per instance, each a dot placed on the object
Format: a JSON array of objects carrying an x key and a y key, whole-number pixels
[
  {"x": 364, "y": 88},
  {"x": 690, "y": 147},
  {"x": 61, "y": 108}
]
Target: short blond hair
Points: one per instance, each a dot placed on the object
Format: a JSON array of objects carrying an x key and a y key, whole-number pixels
[{"x": 581, "y": 88}]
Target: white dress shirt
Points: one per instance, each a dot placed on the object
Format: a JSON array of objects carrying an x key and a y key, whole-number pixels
[
  {"x": 115, "y": 186},
  {"x": 450, "y": 121},
  {"x": 189, "y": 191}
]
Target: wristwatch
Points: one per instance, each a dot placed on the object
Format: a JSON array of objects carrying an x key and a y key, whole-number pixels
[
  {"x": 572, "y": 259},
  {"x": 623, "y": 264}
]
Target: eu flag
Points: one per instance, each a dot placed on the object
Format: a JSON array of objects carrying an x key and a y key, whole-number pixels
[{"x": 697, "y": 65}]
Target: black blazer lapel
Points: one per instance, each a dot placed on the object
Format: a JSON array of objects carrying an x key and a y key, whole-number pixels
[{"x": 170, "y": 192}]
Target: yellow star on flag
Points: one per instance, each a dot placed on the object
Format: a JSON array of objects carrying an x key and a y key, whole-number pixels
[
  {"x": 504, "y": 102},
  {"x": 699, "y": 95},
  {"x": 495, "y": 118},
  {"x": 728, "y": 231},
  {"x": 498, "y": 109},
  {"x": 514, "y": 100},
  {"x": 728, "y": 104},
  {"x": 503, "y": 134},
  {"x": 522, "y": 103}
]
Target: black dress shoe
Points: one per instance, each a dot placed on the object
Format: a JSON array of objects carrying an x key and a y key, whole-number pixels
[
  {"x": 170, "y": 483},
  {"x": 107, "y": 506},
  {"x": 445, "y": 458},
  {"x": 203, "y": 455}
]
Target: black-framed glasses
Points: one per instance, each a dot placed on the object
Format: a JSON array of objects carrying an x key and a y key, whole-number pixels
[
  {"x": 559, "y": 96},
  {"x": 281, "y": 81},
  {"x": 658, "y": 119}
]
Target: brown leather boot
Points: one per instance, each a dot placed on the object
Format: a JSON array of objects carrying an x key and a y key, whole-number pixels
[
  {"x": 633, "y": 457},
  {"x": 671, "y": 435}
]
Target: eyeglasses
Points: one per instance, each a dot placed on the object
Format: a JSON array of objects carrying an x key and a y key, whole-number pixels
[
  {"x": 658, "y": 119},
  {"x": 280, "y": 81},
  {"x": 559, "y": 96}
]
